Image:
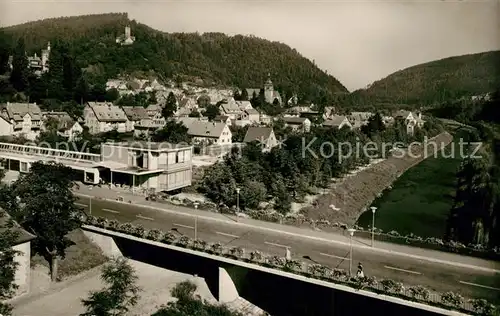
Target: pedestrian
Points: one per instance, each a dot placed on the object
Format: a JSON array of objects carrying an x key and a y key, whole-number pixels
[
  {"x": 360, "y": 273},
  {"x": 288, "y": 254}
]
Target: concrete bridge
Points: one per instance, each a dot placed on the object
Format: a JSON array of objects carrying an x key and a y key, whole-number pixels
[{"x": 277, "y": 292}]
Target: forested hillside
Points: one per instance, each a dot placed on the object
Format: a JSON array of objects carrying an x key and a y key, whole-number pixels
[
  {"x": 214, "y": 57},
  {"x": 435, "y": 82}
]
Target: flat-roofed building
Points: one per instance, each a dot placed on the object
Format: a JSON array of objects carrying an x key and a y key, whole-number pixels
[{"x": 148, "y": 165}]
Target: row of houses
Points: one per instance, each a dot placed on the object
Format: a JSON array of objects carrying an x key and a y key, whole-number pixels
[{"x": 28, "y": 120}]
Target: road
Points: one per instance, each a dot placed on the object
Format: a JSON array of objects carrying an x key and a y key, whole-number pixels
[{"x": 470, "y": 282}]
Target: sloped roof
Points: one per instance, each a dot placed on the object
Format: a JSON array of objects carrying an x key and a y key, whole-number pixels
[
  {"x": 107, "y": 112},
  {"x": 244, "y": 104},
  {"x": 206, "y": 129},
  {"x": 294, "y": 120},
  {"x": 251, "y": 111},
  {"x": 63, "y": 119},
  {"x": 401, "y": 114},
  {"x": 135, "y": 113},
  {"x": 230, "y": 107},
  {"x": 22, "y": 237},
  {"x": 335, "y": 121},
  {"x": 257, "y": 134},
  {"x": 17, "y": 111},
  {"x": 221, "y": 118}
]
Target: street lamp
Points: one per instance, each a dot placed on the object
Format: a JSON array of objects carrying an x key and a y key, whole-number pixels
[
  {"x": 351, "y": 233},
  {"x": 374, "y": 209},
  {"x": 238, "y": 200},
  {"x": 196, "y": 222}
]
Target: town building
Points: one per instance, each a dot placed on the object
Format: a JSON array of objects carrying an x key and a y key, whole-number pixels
[
  {"x": 263, "y": 135},
  {"x": 410, "y": 119},
  {"x": 223, "y": 119},
  {"x": 20, "y": 119},
  {"x": 136, "y": 115},
  {"x": 297, "y": 123},
  {"x": 337, "y": 122},
  {"x": 210, "y": 133},
  {"x": 270, "y": 95},
  {"x": 22, "y": 245},
  {"x": 65, "y": 125},
  {"x": 126, "y": 38},
  {"x": 101, "y": 117},
  {"x": 147, "y": 165},
  {"x": 231, "y": 109}
]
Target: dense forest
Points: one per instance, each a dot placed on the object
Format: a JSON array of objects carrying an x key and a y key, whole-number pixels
[
  {"x": 215, "y": 58},
  {"x": 434, "y": 82}
]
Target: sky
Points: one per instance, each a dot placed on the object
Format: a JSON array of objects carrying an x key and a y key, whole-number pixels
[{"x": 358, "y": 42}]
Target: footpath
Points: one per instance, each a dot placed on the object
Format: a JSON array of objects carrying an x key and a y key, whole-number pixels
[{"x": 111, "y": 195}]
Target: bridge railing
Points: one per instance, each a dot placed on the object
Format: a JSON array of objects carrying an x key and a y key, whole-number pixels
[{"x": 56, "y": 154}]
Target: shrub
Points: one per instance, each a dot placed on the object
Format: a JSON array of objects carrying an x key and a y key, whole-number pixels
[
  {"x": 200, "y": 244},
  {"x": 276, "y": 261},
  {"x": 113, "y": 224},
  {"x": 183, "y": 241},
  {"x": 154, "y": 234},
  {"x": 102, "y": 222},
  {"x": 419, "y": 292},
  {"x": 256, "y": 256},
  {"x": 368, "y": 281},
  {"x": 216, "y": 248},
  {"x": 168, "y": 238},
  {"x": 392, "y": 286},
  {"x": 126, "y": 228},
  {"x": 339, "y": 274},
  {"x": 92, "y": 220},
  {"x": 293, "y": 266},
  {"x": 452, "y": 299},
  {"x": 237, "y": 252},
  {"x": 184, "y": 290},
  {"x": 482, "y": 307},
  {"x": 139, "y": 231}
]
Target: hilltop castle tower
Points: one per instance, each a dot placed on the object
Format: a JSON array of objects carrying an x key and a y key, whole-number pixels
[{"x": 126, "y": 38}]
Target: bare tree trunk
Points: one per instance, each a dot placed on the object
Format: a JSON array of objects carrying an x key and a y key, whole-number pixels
[{"x": 54, "y": 266}]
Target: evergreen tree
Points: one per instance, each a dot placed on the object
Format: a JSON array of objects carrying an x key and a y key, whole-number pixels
[
  {"x": 170, "y": 106},
  {"x": 244, "y": 95},
  {"x": 4, "y": 54},
  {"x": 82, "y": 90},
  {"x": 20, "y": 71}
]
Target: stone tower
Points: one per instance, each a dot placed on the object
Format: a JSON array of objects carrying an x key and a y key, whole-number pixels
[
  {"x": 127, "y": 32},
  {"x": 269, "y": 90}
]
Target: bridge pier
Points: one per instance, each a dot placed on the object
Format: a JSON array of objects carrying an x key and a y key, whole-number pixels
[{"x": 227, "y": 290}]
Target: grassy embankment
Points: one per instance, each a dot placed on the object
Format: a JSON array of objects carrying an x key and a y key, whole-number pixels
[{"x": 420, "y": 200}]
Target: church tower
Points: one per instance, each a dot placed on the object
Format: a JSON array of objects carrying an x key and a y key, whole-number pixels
[{"x": 269, "y": 89}]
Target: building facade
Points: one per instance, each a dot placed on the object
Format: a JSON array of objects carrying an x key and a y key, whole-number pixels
[
  {"x": 153, "y": 166},
  {"x": 101, "y": 117},
  {"x": 20, "y": 119}
]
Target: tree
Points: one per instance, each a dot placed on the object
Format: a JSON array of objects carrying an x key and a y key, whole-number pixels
[
  {"x": 20, "y": 72},
  {"x": 375, "y": 125},
  {"x": 172, "y": 132},
  {"x": 47, "y": 208},
  {"x": 194, "y": 113},
  {"x": 4, "y": 53},
  {"x": 187, "y": 304},
  {"x": 170, "y": 106},
  {"x": 8, "y": 265},
  {"x": 211, "y": 111},
  {"x": 120, "y": 293},
  {"x": 244, "y": 95}
]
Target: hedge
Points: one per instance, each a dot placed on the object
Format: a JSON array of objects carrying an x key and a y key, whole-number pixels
[{"x": 449, "y": 300}]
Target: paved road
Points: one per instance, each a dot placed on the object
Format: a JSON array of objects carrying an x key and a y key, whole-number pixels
[{"x": 438, "y": 276}]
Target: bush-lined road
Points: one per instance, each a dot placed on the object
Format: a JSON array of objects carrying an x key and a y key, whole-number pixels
[{"x": 469, "y": 282}]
